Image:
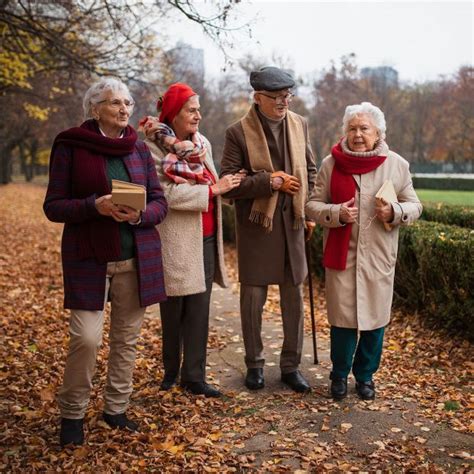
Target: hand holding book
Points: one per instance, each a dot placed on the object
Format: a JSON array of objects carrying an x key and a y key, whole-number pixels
[{"x": 383, "y": 203}]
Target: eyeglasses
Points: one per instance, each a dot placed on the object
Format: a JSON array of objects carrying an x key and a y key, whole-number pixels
[
  {"x": 280, "y": 99},
  {"x": 118, "y": 104}
]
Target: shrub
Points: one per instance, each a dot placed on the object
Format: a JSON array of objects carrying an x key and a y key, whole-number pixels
[
  {"x": 228, "y": 223},
  {"x": 435, "y": 275},
  {"x": 449, "y": 214},
  {"x": 443, "y": 182}
]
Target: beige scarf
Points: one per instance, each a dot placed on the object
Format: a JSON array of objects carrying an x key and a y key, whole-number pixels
[{"x": 259, "y": 155}]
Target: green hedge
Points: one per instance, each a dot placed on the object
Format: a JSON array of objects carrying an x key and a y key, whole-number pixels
[
  {"x": 457, "y": 184},
  {"x": 434, "y": 274},
  {"x": 449, "y": 214}
]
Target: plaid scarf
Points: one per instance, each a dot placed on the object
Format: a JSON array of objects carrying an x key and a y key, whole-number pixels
[{"x": 185, "y": 159}]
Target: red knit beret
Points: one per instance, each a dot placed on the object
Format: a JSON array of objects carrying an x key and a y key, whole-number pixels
[{"x": 173, "y": 100}]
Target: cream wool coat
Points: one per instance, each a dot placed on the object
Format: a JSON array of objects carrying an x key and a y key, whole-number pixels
[
  {"x": 181, "y": 231},
  {"x": 361, "y": 295}
]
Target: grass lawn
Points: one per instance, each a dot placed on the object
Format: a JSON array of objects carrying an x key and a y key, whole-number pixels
[{"x": 463, "y": 198}]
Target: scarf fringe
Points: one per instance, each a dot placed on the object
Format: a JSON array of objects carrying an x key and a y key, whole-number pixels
[
  {"x": 298, "y": 223},
  {"x": 258, "y": 217}
]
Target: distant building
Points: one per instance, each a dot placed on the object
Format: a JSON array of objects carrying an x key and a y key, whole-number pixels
[
  {"x": 186, "y": 64},
  {"x": 383, "y": 75}
]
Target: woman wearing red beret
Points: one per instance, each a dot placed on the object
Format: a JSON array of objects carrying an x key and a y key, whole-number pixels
[{"x": 191, "y": 235}]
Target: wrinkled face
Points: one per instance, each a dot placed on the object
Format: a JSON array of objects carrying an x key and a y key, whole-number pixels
[
  {"x": 362, "y": 134},
  {"x": 273, "y": 104},
  {"x": 187, "y": 120},
  {"x": 113, "y": 112}
]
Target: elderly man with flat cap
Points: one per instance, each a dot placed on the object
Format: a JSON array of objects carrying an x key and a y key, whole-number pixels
[{"x": 270, "y": 144}]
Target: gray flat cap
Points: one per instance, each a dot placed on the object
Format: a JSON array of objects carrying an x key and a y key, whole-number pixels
[{"x": 270, "y": 78}]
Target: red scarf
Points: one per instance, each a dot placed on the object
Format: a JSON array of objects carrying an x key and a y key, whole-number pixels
[
  {"x": 343, "y": 188},
  {"x": 99, "y": 238}
]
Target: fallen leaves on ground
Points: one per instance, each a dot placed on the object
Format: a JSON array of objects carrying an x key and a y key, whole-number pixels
[{"x": 424, "y": 376}]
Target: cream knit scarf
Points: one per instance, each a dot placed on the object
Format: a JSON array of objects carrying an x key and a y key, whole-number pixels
[{"x": 259, "y": 155}]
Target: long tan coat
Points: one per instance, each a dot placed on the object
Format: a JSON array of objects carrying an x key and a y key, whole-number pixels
[
  {"x": 181, "y": 231},
  {"x": 361, "y": 295},
  {"x": 261, "y": 255}
]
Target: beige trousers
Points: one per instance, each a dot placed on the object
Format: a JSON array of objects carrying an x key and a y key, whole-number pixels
[{"x": 85, "y": 329}]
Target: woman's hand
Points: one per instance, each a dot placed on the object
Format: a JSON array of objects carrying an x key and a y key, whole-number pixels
[
  {"x": 227, "y": 182},
  {"x": 384, "y": 211},
  {"x": 348, "y": 213},
  {"x": 126, "y": 214},
  {"x": 106, "y": 207}
]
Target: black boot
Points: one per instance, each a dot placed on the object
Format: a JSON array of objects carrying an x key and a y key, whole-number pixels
[
  {"x": 120, "y": 421},
  {"x": 254, "y": 379},
  {"x": 201, "y": 388},
  {"x": 365, "y": 390},
  {"x": 169, "y": 380},
  {"x": 338, "y": 388},
  {"x": 72, "y": 432}
]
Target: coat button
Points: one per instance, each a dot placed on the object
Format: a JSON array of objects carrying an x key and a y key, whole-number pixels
[{"x": 328, "y": 218}]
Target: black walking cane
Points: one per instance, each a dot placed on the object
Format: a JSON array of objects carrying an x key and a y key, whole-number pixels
[{"x": 311, "y": 300}]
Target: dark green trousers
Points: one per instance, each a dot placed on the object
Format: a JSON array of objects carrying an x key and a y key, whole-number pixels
[{"x": 359, "y": 350}]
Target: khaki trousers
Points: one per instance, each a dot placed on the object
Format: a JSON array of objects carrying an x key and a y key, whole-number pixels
[
  {"x": 85, "y": 329},
  {"x": 252, "y": 300}
]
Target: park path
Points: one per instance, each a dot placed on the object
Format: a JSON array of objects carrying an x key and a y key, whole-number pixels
[{"x": 383, "y": 433}]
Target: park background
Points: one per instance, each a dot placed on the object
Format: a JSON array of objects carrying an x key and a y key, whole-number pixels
[{"x": 412, "y": 59}]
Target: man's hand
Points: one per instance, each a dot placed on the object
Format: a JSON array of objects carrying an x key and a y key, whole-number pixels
[
  {"x": 290, "y": 184},
  {"x": 308, "y": 233}
]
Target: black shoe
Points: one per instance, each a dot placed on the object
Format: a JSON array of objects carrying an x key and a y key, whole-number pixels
[
  {"x": 365, "y": 390},
  {"x": 72, "y": 432},
  {"x": 168, "y": 382},
  {"x": 201, "y": 388},
  {"x": 296, "y": 381},
  {"x": 254, "y": 379},
  {"x": 339, "y": 388},
  {"x": 120, "y": 421}
]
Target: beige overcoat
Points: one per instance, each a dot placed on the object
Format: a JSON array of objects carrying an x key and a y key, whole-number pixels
[
  {"x": 181, "y": 231},
  {"x": 361, "y": 295}
]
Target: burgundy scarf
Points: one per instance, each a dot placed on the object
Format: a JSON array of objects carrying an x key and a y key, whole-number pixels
[
  {"x": 343, "y": 188},
  {"x": 99, "y": 238}
]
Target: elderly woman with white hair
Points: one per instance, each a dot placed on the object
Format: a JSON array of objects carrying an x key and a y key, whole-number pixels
[
  {"x": 109, "y": 251},
  {"x": 361, "y": 242}
]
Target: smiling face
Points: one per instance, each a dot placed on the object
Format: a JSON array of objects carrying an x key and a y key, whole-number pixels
[
  {"x": 187, "y": 120},
  {"x": 112, "y": 112},
  {"x": 273, "y": 104},
  {"x": 362, "y": 134}
]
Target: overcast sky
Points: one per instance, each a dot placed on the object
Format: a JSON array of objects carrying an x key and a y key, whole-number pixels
[{"x": 420, "y": 39}]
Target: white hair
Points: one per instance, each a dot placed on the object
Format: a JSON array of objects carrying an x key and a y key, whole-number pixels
[
  {"x": 97, "y": 91},
  {"x": 366, "y": 108}
]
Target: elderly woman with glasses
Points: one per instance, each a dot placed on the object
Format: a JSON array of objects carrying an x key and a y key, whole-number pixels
[
  {"x": 363, "y": 194},
  {"x": 109, "y": 252}
]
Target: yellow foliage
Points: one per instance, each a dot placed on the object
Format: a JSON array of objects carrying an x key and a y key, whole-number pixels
[
  {"x": 15, "y": 70},
  {"x": 36, "y": 112}
]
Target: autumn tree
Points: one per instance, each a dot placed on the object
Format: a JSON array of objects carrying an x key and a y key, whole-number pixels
[{"x": 52, "y": 48}]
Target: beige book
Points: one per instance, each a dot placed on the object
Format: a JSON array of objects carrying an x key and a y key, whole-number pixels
[
  {"x": 129, "y": 194},
  {"x": 387, "y": 195}
]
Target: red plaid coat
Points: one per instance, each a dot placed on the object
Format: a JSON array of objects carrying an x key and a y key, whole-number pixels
[{"x": 84, "y": 280}]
